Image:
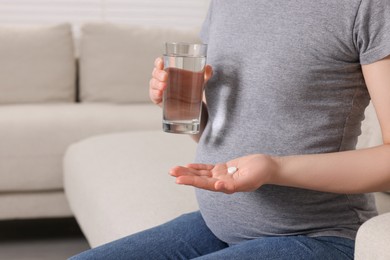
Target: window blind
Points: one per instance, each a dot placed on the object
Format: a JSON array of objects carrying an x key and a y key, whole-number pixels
[{"x": 174, "y": 13}]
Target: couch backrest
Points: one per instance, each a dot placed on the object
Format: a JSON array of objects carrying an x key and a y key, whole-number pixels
[
  {"x": 116, "y": 61},
  {"x": 37, "y": 64}
]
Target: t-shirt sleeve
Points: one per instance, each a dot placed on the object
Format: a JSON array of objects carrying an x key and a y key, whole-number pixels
[
  {"x": 372, "y": 30},
  {"x": 205, "y": 30}
]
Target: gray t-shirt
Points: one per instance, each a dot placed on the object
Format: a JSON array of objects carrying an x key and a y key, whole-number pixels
[{"x": 287, "y": 80}]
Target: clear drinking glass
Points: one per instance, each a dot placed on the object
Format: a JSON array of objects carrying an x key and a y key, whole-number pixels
[{"x": 182, "y": 100}]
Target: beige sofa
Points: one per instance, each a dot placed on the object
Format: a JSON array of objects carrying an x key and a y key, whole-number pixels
[{"x": 51, "y": 97}]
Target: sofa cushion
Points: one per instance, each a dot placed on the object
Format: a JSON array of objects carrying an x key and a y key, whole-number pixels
[
  {"x": 118, "y": 184},
  {"x": 373, "y": 239},
  {"x": 37, "y": 64},
  {"x": 116, "y": 60},
  {"x": 33, "y": 138}
]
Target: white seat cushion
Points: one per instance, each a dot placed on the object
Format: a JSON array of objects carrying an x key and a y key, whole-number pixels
[
  {"x": 118, "y": 184},
  {"x": 373, "y": 239}
]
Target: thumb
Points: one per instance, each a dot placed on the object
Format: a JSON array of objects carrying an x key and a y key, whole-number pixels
[{"x": 224, "y": 187}]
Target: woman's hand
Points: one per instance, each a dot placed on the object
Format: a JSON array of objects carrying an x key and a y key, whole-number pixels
[
  {"x": 252, "y": 172},
  {"x": 158, "y": 83}
]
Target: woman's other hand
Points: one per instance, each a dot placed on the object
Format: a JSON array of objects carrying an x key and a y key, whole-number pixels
[{"x": 251, "y": 173}]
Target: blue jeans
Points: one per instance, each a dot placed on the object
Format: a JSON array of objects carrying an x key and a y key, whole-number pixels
[{"x": 187, "y": 237}]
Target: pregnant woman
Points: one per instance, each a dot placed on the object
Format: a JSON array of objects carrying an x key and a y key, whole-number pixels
[{"x": 277, "y": 175}]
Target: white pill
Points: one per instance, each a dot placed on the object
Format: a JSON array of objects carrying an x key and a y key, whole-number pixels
[{"x": 232, "y": 170}]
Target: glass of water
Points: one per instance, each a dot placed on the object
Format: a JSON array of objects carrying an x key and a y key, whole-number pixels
[{"x": 182, "y": 100}]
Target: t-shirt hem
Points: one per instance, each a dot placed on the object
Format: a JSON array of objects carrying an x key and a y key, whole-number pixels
[{"x": 349, "y": 235}]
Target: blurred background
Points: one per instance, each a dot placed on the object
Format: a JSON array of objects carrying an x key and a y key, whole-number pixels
[{"x": 60, "y": 238}]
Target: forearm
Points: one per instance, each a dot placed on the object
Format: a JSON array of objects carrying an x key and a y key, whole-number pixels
[
  {"x": 359, "y": 171},
  {"x": 203, "y": 122}
]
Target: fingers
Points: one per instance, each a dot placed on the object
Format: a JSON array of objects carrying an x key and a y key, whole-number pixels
[
  {"x": 184, "y": 171},
  {"x": 200, "y": 166},
  {"x": 155, "y": 94},
  {"x": 208, "y": 73},
  {"x": 158, "y": 83},
  {"x": 200, "y": 176},
  {"x": 159, "y": 75},
  {"x": 198, "y": 182},
  {"x": 205, "y": 183},
  {"x": 205, "y": 176},
  {"x": 158, "y": 72},
  {"x": 159, "y": 63}
]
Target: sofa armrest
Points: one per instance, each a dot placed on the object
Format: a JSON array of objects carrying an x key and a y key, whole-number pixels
[{"x": 373, "y": 239}]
